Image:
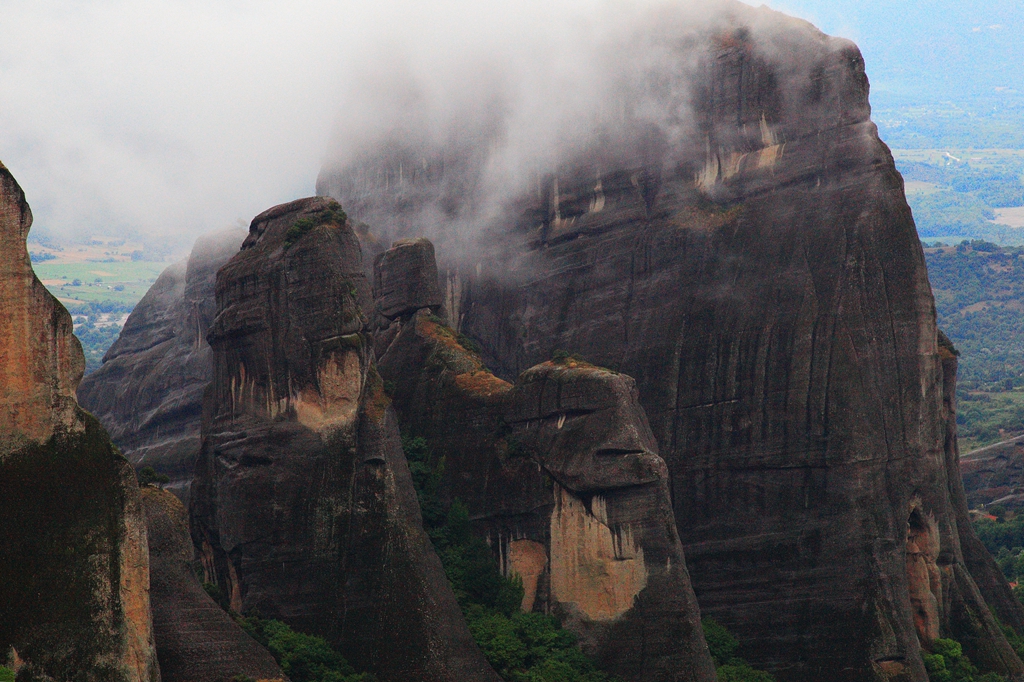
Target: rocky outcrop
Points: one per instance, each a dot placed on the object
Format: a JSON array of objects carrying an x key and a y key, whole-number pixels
[
  {"x": 405, "y": 279},
  {"x": 560, "y": 473},
  {"x": 148, "y": 393},
  {"x": 302, "y": 505},
  {"x": 761, "y": 279},
  {"x": 74, "y": 570},
  {"x": 196, "y": 640},
  {"x": 995, "y": 475}
]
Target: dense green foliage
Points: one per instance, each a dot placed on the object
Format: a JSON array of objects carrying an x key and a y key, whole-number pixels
[
  {"x": 149, "y": 476},
  {"x": 723, "y": 647},
  {"x": 979, "y": 298},
  {"x": 6, "y": 674},
  {"x": 947, "y": 663},
  {"x": 304, "y": 658},
  {"x": 1004, "y": 539},
  {"x": 953, "y": 198},
  {"x": 522, "y": 647}
]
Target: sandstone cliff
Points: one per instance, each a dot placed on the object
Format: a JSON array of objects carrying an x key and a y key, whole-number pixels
[
  {"x": 74, "y": 570},
  {"x": 148, "y": 393},
  {"x": 196, "y": 640},
  {"x": 560, "y": 473},
  {"x": 762, "y": 280},
  {"x": 302, "y": 504}
]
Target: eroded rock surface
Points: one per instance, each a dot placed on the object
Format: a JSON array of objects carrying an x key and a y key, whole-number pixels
[
  {"x": 74, "y": 570},
  {"x": 196, "y": 640},
  {"x": 761, "y": 278},
  {"x": 148, "y": 393},
  {"x": 303, "y": 505},
  {"x": 561, "y": 474}
]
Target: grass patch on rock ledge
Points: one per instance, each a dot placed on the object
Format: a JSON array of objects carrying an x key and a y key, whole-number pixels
[
  {"x": 332, "y": 215},
  {"x": 521, "y": 647}
]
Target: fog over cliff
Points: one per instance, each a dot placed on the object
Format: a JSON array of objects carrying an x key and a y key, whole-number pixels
[{"x": 178, "y": 118}]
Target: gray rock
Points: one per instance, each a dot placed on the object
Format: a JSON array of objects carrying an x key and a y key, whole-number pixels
[
  {"x": 195, "y": 638},
  {"x": 405, "y": 278},
  {"x": 302, "y": 505},
  {"x": 762, "y": 281},
  {"x": 148, "y": 393}
]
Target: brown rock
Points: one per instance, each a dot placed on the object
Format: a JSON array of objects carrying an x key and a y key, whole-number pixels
[
  {"x": 74, "y": 571},
  {"x": 302, "y": 505}
]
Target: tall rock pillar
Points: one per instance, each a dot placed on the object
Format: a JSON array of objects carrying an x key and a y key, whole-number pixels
[{"x": 74, "y": 568}]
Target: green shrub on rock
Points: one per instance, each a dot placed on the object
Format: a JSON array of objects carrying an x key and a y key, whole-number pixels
[
  {"x": 521, "y": 647},
  {"x": 723, "y": 646},
  {"x": 947, "y": 663},
  {"x": 304, "y": 658}
]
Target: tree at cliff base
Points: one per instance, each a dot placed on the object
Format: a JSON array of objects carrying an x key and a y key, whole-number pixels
[{"x": 521, "y": 647}]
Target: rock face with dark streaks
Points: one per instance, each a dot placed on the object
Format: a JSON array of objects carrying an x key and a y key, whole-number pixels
[
  {"x": 560, "y": 473},
  {"x": 149, "y": 391},
  {"x": 74, "y": 569},
  {"x": 761, "y": 279},
  {"x": 196, "y": 640},
  {"x": 303, "y": 506}
]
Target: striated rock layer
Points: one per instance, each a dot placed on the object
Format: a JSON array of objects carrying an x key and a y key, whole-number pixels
[
  {"x": 148, "y": 393},
  {"x": 302, "y": 504},
  {"x": 196, "y": 640},
  {"x": 74, "y": 570},
  {"x": 561, "y": 473},
  {"x": 762, "y": 280}
]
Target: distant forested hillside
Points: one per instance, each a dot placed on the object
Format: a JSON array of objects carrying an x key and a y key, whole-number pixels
[{"x": 979, "y": 298}]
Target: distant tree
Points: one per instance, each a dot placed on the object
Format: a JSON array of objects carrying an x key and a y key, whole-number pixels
[{"x": 149, "y": 476}]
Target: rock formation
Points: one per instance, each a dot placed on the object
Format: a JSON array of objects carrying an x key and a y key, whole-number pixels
[
  {"x": 560, "y": 472},
  {"x": 196, "y": 640},
  {"x": 148, "y": 393},
  {"x": 74, "y": 570},
  {"x": 302, "y": 505},
  {"x": 762, "y": 280},
  {"x": 995, "y": 475}
]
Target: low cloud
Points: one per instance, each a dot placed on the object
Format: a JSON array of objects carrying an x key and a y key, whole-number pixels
[{"x": 174, "y": 118}]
